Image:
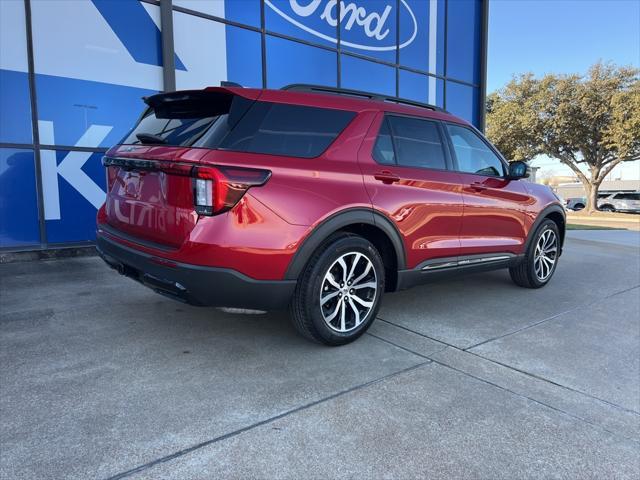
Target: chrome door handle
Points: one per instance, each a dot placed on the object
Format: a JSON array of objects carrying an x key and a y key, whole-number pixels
[{"x": 479, "y": 186}]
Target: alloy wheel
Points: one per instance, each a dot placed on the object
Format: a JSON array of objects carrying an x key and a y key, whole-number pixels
[
  {"x": 545, "y": 255},
  {"x": 348, "y": 292}
]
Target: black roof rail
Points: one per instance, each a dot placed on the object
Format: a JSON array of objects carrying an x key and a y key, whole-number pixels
[{"x": 305, "y": 87}]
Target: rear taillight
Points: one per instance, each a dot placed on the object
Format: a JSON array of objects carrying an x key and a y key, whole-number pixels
[{"x": 218, "y": 189}]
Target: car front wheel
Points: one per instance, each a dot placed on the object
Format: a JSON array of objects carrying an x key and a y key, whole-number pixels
[
  {"x": 541, "y": 258},
  {"x": 338, "y": 295}
]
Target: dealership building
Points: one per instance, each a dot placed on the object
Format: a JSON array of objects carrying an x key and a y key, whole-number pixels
[{"x": 73, "y": 72}]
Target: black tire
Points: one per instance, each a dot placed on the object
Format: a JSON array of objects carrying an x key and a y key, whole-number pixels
[
  {"x": 305, "y": 308},
  {"x": 578, "y": 206},
  {"x": 524, "y": 275},
  {"x": 607, "y": 208}
]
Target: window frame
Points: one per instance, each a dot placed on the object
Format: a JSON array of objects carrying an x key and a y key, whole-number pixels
[
  {"x": 456, "y": 166},
  {"x": 448, "y": 161}
]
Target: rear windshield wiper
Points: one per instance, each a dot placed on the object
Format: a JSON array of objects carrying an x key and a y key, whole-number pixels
[{"x": 150, "y": 138}]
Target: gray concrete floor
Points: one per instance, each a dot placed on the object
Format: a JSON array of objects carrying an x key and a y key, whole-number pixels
[{"x": 468, "y": 378}]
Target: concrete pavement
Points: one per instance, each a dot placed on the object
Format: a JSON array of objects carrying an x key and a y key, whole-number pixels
[{"x": 468, "y": 378}]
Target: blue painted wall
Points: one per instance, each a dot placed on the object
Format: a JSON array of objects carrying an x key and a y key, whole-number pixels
[{"x": 95, "y": 61}]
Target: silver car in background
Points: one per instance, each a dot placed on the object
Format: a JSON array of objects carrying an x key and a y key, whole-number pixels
[{"x": 620, "y": 202}]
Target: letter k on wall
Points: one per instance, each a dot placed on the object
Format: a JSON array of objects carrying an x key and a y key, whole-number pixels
[{"x": 70, "y": 168}]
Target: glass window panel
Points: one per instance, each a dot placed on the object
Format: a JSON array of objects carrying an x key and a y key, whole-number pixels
[
  {"x": 383, "y": 149},
  {"x": 369, "y": 28},
  {"x": 462, "y": 100},
  {"x": 71, "y": 215},
  {"x": 18, "y": 199},
  {"x": 418, "y": 142},
  {"x": 244, "y": 57},
  {"x": 463, "y": 40},
  {"x": 100, "y": 41},
  {"x": 279, "y": 129},
  {"x": 422, "y": 88},
  {"x": 237, "y": 56},
  {"x": 473, "y": 154},
  {"x": 15, "y": 106},
  {"x": 301, "y": 19},
  {"x": 414, "y": 86},
  {"x": 362, "y": 74},
  {"x": 241, "y": 11},
  {"x": 422, "y": 40},
  {"x": 291, "y": 62}
]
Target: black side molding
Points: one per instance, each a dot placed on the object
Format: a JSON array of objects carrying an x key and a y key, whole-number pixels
[{"x": 441, "y": 268}]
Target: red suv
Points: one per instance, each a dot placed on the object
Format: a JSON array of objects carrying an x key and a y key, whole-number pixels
[{"x": 318, "y": 199}]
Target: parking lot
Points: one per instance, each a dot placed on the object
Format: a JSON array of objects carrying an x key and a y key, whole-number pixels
[{"x": 472, "y": 377}]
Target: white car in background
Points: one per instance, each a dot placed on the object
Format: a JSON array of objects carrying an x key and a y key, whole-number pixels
[{"x": 620, "y": 202}]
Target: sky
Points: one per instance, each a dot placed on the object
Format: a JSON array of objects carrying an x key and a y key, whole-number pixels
[{"x": 561, "y": 36}]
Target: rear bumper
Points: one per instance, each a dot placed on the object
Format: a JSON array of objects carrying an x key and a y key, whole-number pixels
[{"x": 194, "y": 284}]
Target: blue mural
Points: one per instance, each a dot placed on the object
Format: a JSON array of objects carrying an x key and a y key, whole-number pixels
[{"x": 95, "y": 62}]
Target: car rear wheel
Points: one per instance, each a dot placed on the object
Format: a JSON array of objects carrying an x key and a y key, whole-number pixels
[
  {"x": 338, "y": 295},
  {"x": 578, "y": 206},
  {"x": 541, "y": 258},
  {"x": 607, "y": 208}
]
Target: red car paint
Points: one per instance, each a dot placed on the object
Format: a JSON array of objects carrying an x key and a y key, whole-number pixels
[{"x": 438, "y": 213}]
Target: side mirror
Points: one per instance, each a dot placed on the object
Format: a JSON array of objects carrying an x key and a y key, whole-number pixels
[{"x": 518, "y": 170}]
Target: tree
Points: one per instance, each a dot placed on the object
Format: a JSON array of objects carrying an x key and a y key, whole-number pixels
[{"x": 590, "y": 123}]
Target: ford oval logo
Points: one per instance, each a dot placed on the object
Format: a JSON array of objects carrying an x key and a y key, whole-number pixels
[{"x": 375, "y": 24}]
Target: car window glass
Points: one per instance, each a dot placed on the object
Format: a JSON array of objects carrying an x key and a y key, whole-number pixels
[
  {"x": 474, "y": 156},
  {"x": 628, "y": 196},
  {"x": 418, "y": 143},
  {"x": 383, "y": 149},
  {"x": 292, "y": 130}
]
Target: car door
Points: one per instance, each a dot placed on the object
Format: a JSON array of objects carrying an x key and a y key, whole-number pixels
[
  {"x": 494, "y": 206},
  {"x": 405, "y": 164}
]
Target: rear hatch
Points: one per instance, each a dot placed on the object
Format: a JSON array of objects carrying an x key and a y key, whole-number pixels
[{"x": 158, "y": 186}]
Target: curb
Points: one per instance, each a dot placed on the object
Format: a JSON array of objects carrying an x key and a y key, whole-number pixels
[{"x": 51, "y": 254}]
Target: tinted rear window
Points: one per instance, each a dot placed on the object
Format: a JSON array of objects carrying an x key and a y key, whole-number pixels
[
  {"x": 196, "y": 119},
  {"x": 291, "y": 130},
  {"x": 229, "y": 122}
]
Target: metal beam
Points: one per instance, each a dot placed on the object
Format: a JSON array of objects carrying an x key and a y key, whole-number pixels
[
  {"x": 168, "y": 52},
  {"x": 484, "y": 42},
  {"x": 42, "y": 225}
]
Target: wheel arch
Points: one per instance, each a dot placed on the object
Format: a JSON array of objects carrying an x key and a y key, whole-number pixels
[
  {"x": 367, "y": 223},
  {"x": 553, "y": 212}
]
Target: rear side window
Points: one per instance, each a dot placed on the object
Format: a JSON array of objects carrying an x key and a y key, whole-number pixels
[
  {"x": 410, "y": 142},
  {"x": 231, "y": 122},
  {"x": 291, "y": 130},
  {"x": 473, "y": 154},
  {"x": 627, "y": 196}
]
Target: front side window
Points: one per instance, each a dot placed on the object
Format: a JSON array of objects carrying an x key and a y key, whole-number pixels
[
  {"x": 473, "y": 154},
  {"x": 383, "y": 152},
  {"x": 417, "y": 143}
]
